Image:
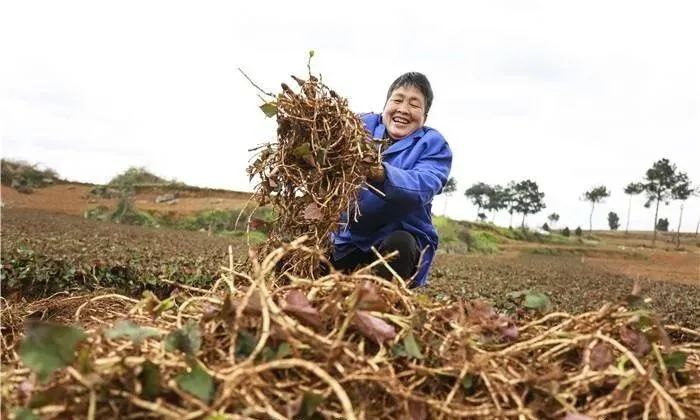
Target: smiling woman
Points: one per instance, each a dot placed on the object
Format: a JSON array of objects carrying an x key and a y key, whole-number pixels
[{"x": 396, "y": 213}]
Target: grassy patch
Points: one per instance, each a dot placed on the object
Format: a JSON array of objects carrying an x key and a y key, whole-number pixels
[
  {"x": 588, "y": 252},
  {"x": 458, "y": 237}
]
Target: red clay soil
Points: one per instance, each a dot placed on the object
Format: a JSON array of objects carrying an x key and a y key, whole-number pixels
[
  {"x": 75, "y": 199},
  {"x": 675, "y": 266}
]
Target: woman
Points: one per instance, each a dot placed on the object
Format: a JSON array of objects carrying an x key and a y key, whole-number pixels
[{"x": 415, "y": 167}]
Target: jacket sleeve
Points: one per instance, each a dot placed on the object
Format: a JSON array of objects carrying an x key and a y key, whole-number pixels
[{"x": 417, "y": 186}]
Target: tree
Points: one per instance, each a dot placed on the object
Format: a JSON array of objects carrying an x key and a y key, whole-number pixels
[
  {"x": 481, "y": 216},
  {"x": 545, "y": 226},
  {"x": 613, "y": 220},
  {"x": 477, "y": 193},
  {"x": 528, "y": 199},
  {"x": 449, "y": 188},
  {"x": 633, "y": 188},
  {"x": 659, "y": 182},
  {"x": 508, "y": 199},
  {"x": 553, "y": 219},
  {"x": 595, "y": 195},
  {"x": 662, "y": 225},
  {"x": 681, "y": 191},
  {"x": 496, "y": 199},
  {"x": 566, "y": 232},
  {"x": 578, "y": 231}
]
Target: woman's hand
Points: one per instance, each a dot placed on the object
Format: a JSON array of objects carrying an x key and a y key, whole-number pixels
[{"x": 376, "y": 174}]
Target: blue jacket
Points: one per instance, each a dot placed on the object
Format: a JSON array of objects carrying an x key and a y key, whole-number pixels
[{"x": 416, "y": 169}]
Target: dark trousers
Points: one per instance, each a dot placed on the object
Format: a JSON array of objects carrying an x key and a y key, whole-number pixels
[{"x": 404, "y": 264}]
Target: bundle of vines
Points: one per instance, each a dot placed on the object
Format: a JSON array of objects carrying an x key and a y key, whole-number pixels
[
  {"x": 334, "y": 345},
  {"x": 311, "y": 174}
]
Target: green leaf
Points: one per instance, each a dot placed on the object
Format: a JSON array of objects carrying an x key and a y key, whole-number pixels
[
  {"x": 412, "y": 347},
  {"x": 52, "y": 395},
  {"x": 198, "y": 383},
  {"x": 245, "y": 344},
  {"x": 302, "y": 150},
  {"x": 187, "y": 339},
  {"x": 163, "y": 306},
  {"x": 150, "y": 380},
  {"x": 84, "y": 364},
  {"x": 48, "y": 346},
  {"x": 25, "y": 414},
  {"x": 675, "y": 360},
  {"x": 283, "y": 350},
  {"x": 125, "y": 328},
  {"x": 309, "y": 405},
  {"x": 269, "y": 108},
  {"x": 538, "y": 301},
  {"x": 399, "y": 350},
  {"x": 268, "y": 354},
  {"x": 468, "y": 382},
  {"x": 321, "y": 155}
]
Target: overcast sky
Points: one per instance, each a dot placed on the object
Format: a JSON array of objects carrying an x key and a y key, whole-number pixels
[{"x": 570, "y": 94}]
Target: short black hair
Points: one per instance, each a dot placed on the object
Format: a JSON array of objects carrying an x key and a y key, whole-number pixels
[{"x": 417, "y": 80}]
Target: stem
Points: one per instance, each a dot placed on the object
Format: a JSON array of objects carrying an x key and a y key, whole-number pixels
[
  {"x": 656, "y": 215},
  {"x": 590, "y": 218},
  {"x": 678, "y": 231},
  {"x": 629, "y": 210}
]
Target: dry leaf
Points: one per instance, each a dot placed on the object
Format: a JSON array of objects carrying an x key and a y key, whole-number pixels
[
  {"x": 373, "y": 328},
  {"x": 601, "y": 356},
  {"x": 368, "y": 298},
  {"x": 635, "y": 341},
  {"x": 313, "y": 212},
  {"x": 297, "y": 305},
  {"x": 417, "y": 410}
]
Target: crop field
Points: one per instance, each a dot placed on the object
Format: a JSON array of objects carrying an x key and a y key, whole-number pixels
[
  {"x": 128, "y": 299},
  {"x": 46, "y": 253}
]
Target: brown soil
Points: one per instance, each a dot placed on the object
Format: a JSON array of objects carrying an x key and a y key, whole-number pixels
[{"x": 75, "y": 199}]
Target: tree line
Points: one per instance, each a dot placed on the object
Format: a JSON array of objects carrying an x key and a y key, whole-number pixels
[{"x": 662, "y": 182}]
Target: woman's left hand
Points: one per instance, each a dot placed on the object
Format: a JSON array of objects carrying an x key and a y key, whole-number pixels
[{"x": 376, "y": 174}]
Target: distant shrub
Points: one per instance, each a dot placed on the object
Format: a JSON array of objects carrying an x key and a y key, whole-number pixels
[
  {"x": 578, "y": 231},
  {"x": 136, "y": 175},
  {"x": 24, "y": 176},
  {"x": 566, "y": 232},
  {"x": 545, "y": 226},
  {"x": 613, "y": 220},
  {"x": 98, "y": 213},
  {"x": 662, "y": 225},
  {"x": 104, "y": 191},
  {"x": 124, "y": 213}
]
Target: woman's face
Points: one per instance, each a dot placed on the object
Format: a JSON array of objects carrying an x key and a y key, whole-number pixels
[{"x": 404, "y": 112}]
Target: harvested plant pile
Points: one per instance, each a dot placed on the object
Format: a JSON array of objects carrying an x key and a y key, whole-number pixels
[
  {"x": 311, "y": 175},
  {"x": 339, "y": 346}
]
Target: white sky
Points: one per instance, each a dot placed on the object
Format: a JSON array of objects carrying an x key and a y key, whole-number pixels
[{"x": 568, "y": 93}]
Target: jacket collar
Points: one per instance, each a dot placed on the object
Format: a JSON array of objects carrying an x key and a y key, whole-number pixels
[{"x": 400, "y": 144}]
